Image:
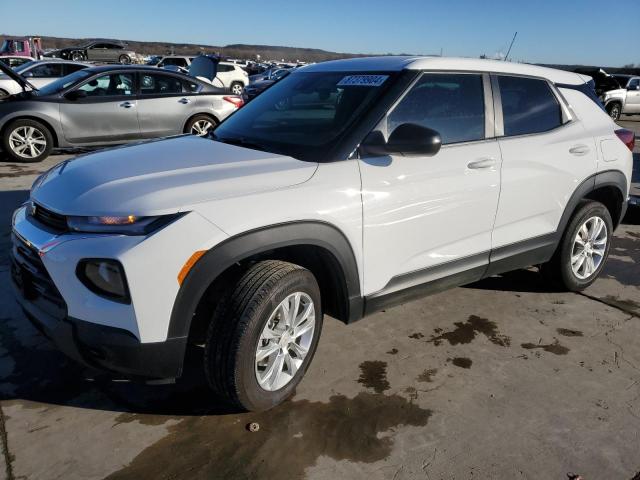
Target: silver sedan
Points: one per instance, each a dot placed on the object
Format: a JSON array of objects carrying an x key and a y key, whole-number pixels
[{"x": 107, "y": 105}]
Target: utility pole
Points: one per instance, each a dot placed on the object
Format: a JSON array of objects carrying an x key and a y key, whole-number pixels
[{"x": 509, "y": 51}]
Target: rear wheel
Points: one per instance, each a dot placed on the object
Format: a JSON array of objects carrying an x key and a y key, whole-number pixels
[
  {"x": 236, "y": 88},
  {"x": 263, "y": 335},
  {"x": 200, "y": 125},
  {"x": 77, "y": 56},
  {"x": 584, "y": 248},
  {"x": 125, "y": 59},
  {"x": 27, "y": 141}
]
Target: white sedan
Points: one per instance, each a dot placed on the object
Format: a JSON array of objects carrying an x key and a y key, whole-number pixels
[{"x": 39, "y": 73}]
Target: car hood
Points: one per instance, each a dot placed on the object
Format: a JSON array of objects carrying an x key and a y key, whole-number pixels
[{"x": 163, "y": 176}]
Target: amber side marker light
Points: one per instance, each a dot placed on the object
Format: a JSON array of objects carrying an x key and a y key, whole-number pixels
[{"x": 184, "y": 271}]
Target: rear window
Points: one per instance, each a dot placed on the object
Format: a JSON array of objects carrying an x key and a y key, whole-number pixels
[{"x": 528, "y": 106}]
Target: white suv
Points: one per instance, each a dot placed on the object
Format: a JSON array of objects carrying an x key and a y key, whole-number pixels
[
  {"x": 232, "y": 77},
  {"x": 348, "y": 187}
]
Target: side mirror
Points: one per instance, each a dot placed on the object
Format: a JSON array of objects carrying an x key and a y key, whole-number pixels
[
  {"x": 76, "y": 95},
  {"x": 407, "y": 139},
  {"x": 28, "y": 75},
  {"x": 633, "y": 87}
]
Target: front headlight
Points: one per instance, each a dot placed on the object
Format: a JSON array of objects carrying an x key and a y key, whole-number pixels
[{"x": 129, "y": 225}]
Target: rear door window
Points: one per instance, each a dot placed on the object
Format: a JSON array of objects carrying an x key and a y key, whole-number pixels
[
  {"x": 451, "y": 104},
  {"x": 528, "y": 106},
  {"x": 158, "y": 84}
]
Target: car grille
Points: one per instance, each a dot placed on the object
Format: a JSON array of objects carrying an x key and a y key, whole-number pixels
[
  {"x": 53, "y": 220},
  {"x": 33, "y": 280}
]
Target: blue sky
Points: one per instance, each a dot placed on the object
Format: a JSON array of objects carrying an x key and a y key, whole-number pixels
[{"x": 561, "y": 31}]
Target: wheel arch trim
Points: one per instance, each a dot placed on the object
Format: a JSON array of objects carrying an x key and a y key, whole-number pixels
[
  {"x": 606, "y": 178},
  {"x": 235, "y": 249}
]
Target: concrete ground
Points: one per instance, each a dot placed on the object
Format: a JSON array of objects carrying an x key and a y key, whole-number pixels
[{"x": 500, "y": 379}]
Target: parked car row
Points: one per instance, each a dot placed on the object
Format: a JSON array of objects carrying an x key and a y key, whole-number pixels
[{"x": 106, "y": 105}]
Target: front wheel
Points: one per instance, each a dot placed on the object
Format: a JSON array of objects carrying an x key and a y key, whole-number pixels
[
  {"x": 583, "y": 250},
  {"x": 77, "y": 56},
  {"x": 27, "y": 141},
  {"x": 125, "y": 59},
  {"x": 3, "y": 93},
  {"x": 263, "y": 335}
]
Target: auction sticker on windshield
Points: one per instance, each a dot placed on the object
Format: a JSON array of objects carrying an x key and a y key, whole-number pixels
[{"x": 362, "y": 80}]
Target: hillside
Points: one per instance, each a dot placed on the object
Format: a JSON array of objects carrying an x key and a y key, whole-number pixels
[{"x": 266, "y": 52}]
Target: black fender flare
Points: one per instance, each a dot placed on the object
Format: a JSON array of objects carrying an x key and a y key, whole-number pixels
[
  {"x": 237, "y": 248},
  {"x": 607, "y": 178}
]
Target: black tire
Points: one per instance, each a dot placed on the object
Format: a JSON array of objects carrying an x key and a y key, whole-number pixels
[
  {"x": 3, "y": 93},
  {"x": 44, "y": 133},
  {"x": 125, "y": 59},
  {"x": 558, "y": 270},
  {"x": 236, "y": 88},
  {"x": 238, "y": 321},
  {"x": 614, "y": 110},
  {"x": 200, "y": 118},
  {"x": 77, "y": 56}
]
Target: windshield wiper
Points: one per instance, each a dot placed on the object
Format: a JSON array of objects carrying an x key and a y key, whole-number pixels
[{"x": 243, "y": 142}]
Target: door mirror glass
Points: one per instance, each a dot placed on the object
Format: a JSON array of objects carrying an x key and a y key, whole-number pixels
[
  {"x": 633, "y": 87},
  {"x": 407, "y": 139},
  {"x": 76, "y": 95}
]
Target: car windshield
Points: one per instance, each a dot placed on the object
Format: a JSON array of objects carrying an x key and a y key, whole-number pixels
[
  {"x": 622, "y": 80},
  {"x": 63, "y": 83},
  {"x": 25, "y": 66},
  {"x": 305, "y": 114}
]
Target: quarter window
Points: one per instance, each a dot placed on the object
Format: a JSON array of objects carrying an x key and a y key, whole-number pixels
[
  {"x": 528, "y": 106},
  {"x": 451, "y": 104}
]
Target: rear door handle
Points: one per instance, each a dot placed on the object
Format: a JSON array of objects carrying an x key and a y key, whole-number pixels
[
  {"x": 184, "y": 101},
  {"x": 482, "y": 163},
  {"x": 127, "y": 105},
  {"x": 579, "y": 150}
]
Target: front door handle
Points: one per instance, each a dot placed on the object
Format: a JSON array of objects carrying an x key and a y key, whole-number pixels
[
  {"x": 184, "y": 101},
  {"x": 579, "y": 150},
  {"x": 482, "y": 163},
  {"x": 127, "y": 105}
]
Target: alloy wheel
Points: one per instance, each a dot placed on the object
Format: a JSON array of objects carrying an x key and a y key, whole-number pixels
[
  {"x": 201, "y": 127},
  {"x": 27, "y": 142},
  {"x": 236, "y": 89},
  {"x": 589, "y": 248},
  {"x": 285, "y": 341}
]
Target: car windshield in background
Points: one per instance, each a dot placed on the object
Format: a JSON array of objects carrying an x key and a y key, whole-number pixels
[
  {"x": 63, "y": 83},
  {"x": 24, "y": 66},
  {"x": 305, "y": 114}
]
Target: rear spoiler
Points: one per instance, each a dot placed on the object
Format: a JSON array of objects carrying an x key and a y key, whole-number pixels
[{"x": 11, "y": 73}]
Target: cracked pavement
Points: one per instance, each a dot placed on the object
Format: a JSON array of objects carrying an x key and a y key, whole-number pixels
[{"x": 504, "y": 378}]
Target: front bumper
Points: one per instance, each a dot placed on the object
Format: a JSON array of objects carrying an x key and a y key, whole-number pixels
[{"x": 97, "y": 346}]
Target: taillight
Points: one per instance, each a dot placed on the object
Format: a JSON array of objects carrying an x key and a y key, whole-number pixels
[
  {"x": 237, "y": 101},
  {"x": 627, "y": 137}
]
